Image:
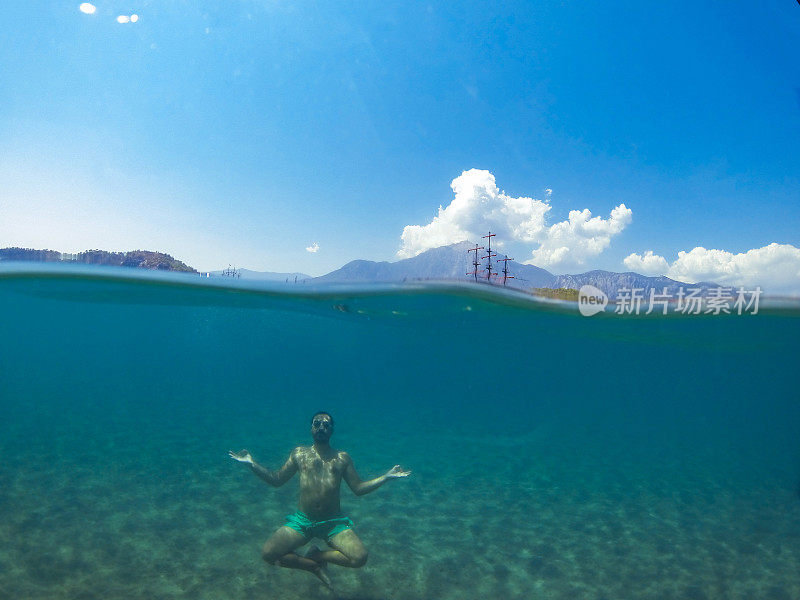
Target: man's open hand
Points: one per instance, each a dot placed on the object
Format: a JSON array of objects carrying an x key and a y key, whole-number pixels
[
  {"x": 241, "y": 456},
  {"x": 397, "y": 471}
]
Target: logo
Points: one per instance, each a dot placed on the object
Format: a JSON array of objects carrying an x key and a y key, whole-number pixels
[{"x": 591, "y": 300}]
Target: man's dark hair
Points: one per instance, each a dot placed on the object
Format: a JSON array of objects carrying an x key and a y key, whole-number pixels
[{"x": 322, "y": 412}]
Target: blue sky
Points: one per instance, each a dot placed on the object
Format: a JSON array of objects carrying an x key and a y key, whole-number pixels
[{"x": 245, "y": 131}]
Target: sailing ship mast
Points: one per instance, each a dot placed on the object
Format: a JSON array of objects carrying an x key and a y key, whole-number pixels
[
  {"x": 506, "y": 276},
  {"x": 475, "y": 262},
  {"x": 489, "y": 255}
]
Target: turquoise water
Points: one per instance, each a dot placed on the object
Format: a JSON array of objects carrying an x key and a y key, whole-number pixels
[{"x": 553, "y": 455}]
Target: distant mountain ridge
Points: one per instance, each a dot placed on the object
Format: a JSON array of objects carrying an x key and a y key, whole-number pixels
[
  {"x": 611, "y": 282},
  {"x": 452, "y": 262},
  {"x": 446, "y": 262},
  {"x": 141, "y": 259},
  {"x": 455, "y": 262}
]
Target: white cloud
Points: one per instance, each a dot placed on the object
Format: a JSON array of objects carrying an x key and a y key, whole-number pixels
[
  {"x": 87, "y": 8},
  {"x": 776, "y": 267},
  {"x": 479, "y": 206},
  {"x": 312, "y": 248},
  {"x": 123, "y": 19},
  {"x": 579, "y": 238},
  {"x": 649, "y": 264}
]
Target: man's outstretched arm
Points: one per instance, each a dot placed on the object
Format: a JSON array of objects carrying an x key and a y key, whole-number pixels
[
  {"x": 360, "y": 487},
  {"x": 274, "y": 478}
]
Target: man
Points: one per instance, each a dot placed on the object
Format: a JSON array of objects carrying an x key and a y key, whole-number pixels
[{"x": 322, "y": 469}]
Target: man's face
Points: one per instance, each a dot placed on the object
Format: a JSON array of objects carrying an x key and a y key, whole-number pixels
[{"x": 321, "y": 428}]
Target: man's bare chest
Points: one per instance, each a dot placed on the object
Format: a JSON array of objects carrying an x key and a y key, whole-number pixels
[{"x": 316, "y": 469}]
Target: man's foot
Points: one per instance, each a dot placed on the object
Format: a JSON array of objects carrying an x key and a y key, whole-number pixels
[
  {"x": 321, "y": 571},
  {"x": 322, "y": 575}
]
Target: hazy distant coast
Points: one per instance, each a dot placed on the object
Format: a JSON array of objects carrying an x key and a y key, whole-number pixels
[
  {"x": 446, "y": 262},
  {"x": 142, "y": 259}
]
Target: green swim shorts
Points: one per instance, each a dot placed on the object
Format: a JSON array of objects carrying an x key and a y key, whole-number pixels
[{"x": 325, "y": 530}]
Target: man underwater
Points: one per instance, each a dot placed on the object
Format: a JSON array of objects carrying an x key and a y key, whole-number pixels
[{"x": 322, "y": 469}]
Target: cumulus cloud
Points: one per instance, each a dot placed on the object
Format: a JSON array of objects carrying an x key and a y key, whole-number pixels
[
  {"x": 580, "y": 237},
  {"x": 479, "y": 206},
  {"x": 776, "y": 267},
  {"x": 312, "y": 248},
  {"x": 87, "y": 8},
  {"x": 649, "y": 264}
]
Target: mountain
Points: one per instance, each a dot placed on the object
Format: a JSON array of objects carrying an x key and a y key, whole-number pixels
[
  {"x": 610, "y": 283},
  {"x": 267, "y": 275},
  {"x": 29, "y": 255},
  {"x": 446, "y": 262},
  {"x": 455, "y": 261},
  {"x": 142, "y": 259}
]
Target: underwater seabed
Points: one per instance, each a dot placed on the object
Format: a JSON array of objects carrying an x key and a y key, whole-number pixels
[{"x": 553, "y": 455}]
